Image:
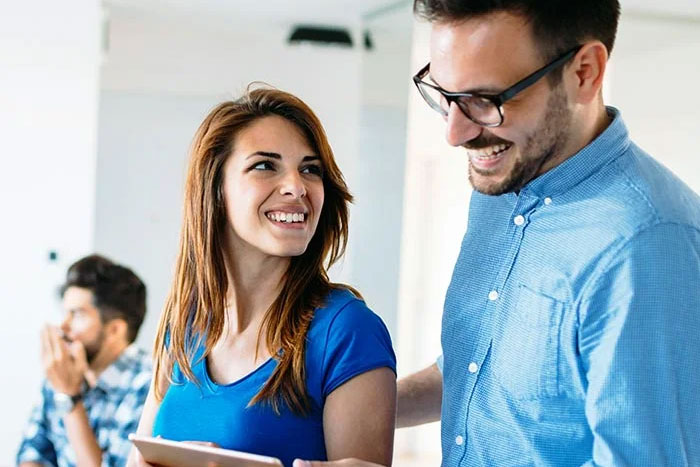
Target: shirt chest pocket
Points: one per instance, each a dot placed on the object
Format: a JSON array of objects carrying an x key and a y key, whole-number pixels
[{"x": 526, "y": 352}]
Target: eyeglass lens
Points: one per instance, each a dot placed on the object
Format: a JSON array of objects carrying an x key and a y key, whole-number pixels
[{"x": 479, "y": 109}]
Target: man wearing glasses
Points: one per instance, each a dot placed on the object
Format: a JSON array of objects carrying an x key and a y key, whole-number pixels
[{"x": 569, "y": 330}]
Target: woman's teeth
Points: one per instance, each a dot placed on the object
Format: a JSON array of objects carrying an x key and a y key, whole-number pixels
[{"x": 286, "y": 217}]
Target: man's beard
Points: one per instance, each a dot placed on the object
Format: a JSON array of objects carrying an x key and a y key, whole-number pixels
[
  {"x": 94, "y": 347},
  {"x": 541, "y": 146}
]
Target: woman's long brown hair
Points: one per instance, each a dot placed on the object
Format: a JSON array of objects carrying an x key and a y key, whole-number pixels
[{"x": 195, "y": 307}]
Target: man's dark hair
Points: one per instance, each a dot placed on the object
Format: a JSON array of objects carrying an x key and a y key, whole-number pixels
[
  {"x": 117, "y": 292},
  {"x": 557, "y": 25}
]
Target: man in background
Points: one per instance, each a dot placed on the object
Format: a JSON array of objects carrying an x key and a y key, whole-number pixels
[{"x": 96, "y": 379}]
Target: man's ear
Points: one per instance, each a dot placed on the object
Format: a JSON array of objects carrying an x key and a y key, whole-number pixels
[
  {"x": 584, "y": 76},
  {"x": 117, "y": 328}
]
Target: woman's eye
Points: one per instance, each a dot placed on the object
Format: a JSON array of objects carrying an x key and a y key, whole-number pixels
[
  {"x": 312, "y": 169},
  {"x": 264, "y": 165}
]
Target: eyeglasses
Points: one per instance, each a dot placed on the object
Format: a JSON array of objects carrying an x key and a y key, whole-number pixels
[{"x": 482, "y": 109}]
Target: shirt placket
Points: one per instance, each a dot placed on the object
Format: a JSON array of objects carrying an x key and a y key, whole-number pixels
[{"x": 519, "y": 219}]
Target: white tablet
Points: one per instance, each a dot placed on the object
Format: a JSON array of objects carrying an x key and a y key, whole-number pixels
[{"x": 168, "y": 453}]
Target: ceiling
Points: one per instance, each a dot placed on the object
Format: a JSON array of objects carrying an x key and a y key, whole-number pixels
[
  {"x": 337, "y": 12},
  {"x": 342, "y": 11}
]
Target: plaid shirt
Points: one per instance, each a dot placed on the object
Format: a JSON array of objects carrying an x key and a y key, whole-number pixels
[{"x": 113, "y": 408}]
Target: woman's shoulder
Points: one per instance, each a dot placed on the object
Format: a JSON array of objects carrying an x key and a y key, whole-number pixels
[
  {"x": 346, "y": 338},
  {"x": 340, "y": 301},
  {"x": 344, "y": 316}
]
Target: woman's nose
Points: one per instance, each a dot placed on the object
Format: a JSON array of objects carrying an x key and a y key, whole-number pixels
[{"x": 293, "y": 185}]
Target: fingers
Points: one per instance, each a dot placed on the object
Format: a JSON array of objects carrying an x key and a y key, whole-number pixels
[
  {"x": 58, "y": 346},
  {"x": 137, "y": 460},
  {"x": 301, "y": 463},
  {"x": 64, "y": 373},
  {"x": 77, "y": 351},
  {"x": 339, "y": 463},
  {"x": 46, "y": 352},
  {"x": 51, "y": 350}
]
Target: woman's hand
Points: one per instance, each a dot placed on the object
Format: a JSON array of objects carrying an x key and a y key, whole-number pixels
[
  {"x": 136, "y": 459},
  {"x": 340, "y": 463}
]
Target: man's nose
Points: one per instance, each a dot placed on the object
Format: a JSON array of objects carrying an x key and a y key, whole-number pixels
[
  {"x": 460, "y": 129},
  {"x": 293, "y": 185},
  {"x": 65, "y": 324}
]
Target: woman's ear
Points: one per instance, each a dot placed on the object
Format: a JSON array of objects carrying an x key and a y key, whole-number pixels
[{"x": 586, "y": 71}]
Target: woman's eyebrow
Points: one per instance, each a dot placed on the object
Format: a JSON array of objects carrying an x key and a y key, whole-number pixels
[
  {"x": 274, "y": 155},
  {"x": 271, "y": 155}
]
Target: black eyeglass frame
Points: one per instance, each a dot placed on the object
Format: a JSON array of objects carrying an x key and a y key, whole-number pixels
[{"x": 497, "y": 99}]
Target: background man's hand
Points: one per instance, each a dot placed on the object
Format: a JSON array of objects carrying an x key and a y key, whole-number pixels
[
  {"x": 340, "y": 463},
  {"x": 65, "y": 364}
]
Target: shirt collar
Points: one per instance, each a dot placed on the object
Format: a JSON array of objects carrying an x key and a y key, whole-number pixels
[
  {"x": 612, "y": 142},
  {"x": 112, "y": 376}
]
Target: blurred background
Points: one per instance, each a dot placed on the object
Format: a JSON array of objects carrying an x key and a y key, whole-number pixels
[{"x": 99, "y": 102}]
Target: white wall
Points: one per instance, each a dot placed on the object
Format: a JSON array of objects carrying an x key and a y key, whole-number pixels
[
  {"x": 436, "y": 199},
  {"x": 655, "y": 71},
  {"x": 378, "y": 184},
  {"x": 49, "y": 57},
  {"x": 143, "y": 142}
]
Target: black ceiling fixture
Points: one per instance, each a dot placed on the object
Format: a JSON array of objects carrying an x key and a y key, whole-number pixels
[
  {"x": 369, "y": 43},
  {"x": 321, "y": 35}
]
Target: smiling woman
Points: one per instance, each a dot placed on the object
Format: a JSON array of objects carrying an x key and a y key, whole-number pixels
[
  {"x": 257, "y": 350},
  {"x": 273, "y": 190}
]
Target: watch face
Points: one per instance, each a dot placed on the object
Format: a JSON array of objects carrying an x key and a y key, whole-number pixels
[{"x": 63, "y": 402}]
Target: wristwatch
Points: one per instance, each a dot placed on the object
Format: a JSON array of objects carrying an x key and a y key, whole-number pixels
[{"x": 65, "y": 403}]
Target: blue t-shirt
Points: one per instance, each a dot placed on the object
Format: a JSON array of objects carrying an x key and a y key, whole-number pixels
[{"x": 344, "y": 340}]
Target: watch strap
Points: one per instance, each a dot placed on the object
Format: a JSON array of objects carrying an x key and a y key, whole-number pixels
[{"x": 76, "y": 398}]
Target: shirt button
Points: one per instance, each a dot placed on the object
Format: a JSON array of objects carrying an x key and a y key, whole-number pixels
[
  {"x": 519, "y": 220},
  {"x": 473, "y": 367},
  {"x": 493, "y": 295},
  {"x": 459, "y": 440},
  {"x": 548, "y": 201}
]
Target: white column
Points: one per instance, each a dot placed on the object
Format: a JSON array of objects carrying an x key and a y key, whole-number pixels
[{"x": 49, "y": 79}]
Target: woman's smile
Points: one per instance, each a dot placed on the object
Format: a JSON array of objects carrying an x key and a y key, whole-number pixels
[{"x": 287, "y": 219}]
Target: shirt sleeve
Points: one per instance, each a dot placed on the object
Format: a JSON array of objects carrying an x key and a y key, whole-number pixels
[
  {"x": 357, "y": 342},
  {"x": 638, "y": 338},
  {"x": 36, "y": 445},
  {"x": 440, "y": 362},
  {"x": 125, "y": 421}
]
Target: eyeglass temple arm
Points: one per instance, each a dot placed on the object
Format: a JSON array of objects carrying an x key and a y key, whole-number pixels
[
  {"x": 530, "y": 80},
  {"x": 421, "y": 74}
]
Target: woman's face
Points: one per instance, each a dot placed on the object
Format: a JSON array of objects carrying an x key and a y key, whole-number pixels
[{"x": 273, "y": 190}]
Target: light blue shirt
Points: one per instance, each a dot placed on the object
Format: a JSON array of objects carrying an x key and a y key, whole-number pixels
[
  {"x": 113, "y": 407},
  {"x": 571, "y": 327}
]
